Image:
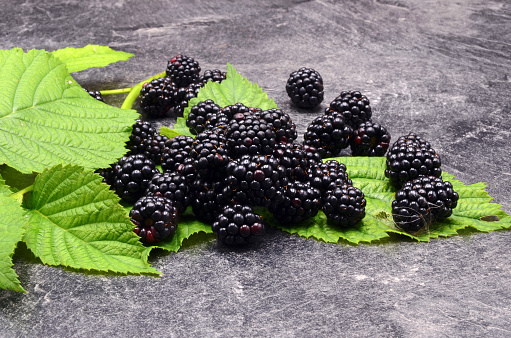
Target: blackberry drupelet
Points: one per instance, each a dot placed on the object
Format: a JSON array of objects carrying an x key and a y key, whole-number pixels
[
  {"x": 328, "y": 175},
  {"x": 300, "y": 202},
  {"x": 200, "y": 114},
  {"x": 305, "y": 87},
  {"x": 238, "y": 224},
  {"x": 370, "y": 139},
  {"x": 215, "y": 75},
  {"x": 183, "y": 95},
  {"x": 155, "y": 218},
  {"x": 157, "y": 97},
  {"x": 153, "y": 147},
  {"x": 238, "y": 108},
  {"x": 283, "y": 126},
  {"x": 175, "y": 152},
  {"x": 95, "y": 94},
  {"x": 208, "y": 198},
  {"x": 410, "y": 157},
  {"x": 353, "y": 106},
  {"x": 344, "y": 205},
  {"x": 183, "y": 70},
  {"x": 250, "y": 136},
  {"x": 423, "y": 201},
  {"x": 296, "y": 160},
  {"x": 171, "y": 185},
  {"x": 209, "y": 153},
  {"x": 329, "y": 134},
  {"x": 141, "y": 131}
]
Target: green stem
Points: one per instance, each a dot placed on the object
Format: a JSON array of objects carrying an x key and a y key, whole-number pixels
[
  {"x": 18, "y": 196},
  {"x": 116, "y": 91},
  {"x": 135, "y": 91}
]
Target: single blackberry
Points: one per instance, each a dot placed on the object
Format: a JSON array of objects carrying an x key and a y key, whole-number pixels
[
  {"x": 153, "y": 147},
  {"x": 344, "y": 205},
  {"x": 171, "y": 185},
  {"x": 157, "y": 97},
  {"x": 215, "y": 75},
  {"x": 155, "y": 218},
  {"x": 353, "y": 106},
  {"x": 141, "y": 131},
  {"x": 175, "y": 152},
  {"x": 300, "y": 202},
  {"x": 131, "y": 176},
  {"x": 183, "y": 95},
  {"x": 200, "y": 114},
  {"x": 283, "y": 126},
  {"x": 421, "y": 202},
  {"x": 329, "y": 134},
  {"x": 328, "y": 175},
  {"x": 238, "y": 224},
  {"x": 370, "y": 139},
  {"x": 256, "y": 180},
  {"x": 305, "y": 87},
  {"x": 296, "y": 159},
  {"x": 209, "y": 153},
  {"x": 410, "y": 157},
  {"x": 183, "y": 70},
  {"x": 95, "y": 94},
  {"x": 187, "y": 169},
  {"x": 234, "y": 109},
  {"x": 250, "y": 136},
  {"x": 208, "y": 198}
]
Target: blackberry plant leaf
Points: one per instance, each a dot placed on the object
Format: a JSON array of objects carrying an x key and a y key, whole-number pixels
[
  {"x": 46, "y": 118},
  {"x": 90, "y": 56},
  {"x": 12, "y": 226},
  {"x": 170, "y": 133},
  {"x": 76, "y": 221}
]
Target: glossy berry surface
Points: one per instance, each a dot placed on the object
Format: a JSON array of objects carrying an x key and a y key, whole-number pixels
[
  {"x": 183, "y": 70},
  {"x": 351, "y": 105},
  {"x": 329, "y": 134},
  {"x": 173, "y": 186},
  {"x": 238, "y": 224},
  {"x": 155, "y": 218},
  {"x": 370, "y": 139},
  {"x": 305, "y": 88},
  {"x": 175, "y": 152},
  {"x": 157, "y": 97},
  {"x": 344, "y": 205}
]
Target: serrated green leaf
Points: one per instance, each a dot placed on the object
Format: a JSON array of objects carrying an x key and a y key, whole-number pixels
[
  {"x": 12, "y": 227},
  {"x": 46, "y": 118},
  {"x": 90, "y": 56},
  {"x": 76, "y": 221},
  {"x": 15, "y": 179},
  {"x": 170, "y": 133}
]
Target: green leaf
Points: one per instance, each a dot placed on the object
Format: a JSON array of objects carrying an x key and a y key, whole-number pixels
[
  {"x": 46, "y": 118},
  {"x": 15, "y": 179},
  {"x": 12, "y": 226},
  {"x": 90, "y": 56},
  {"x": 76, "y": 221},
  {"x": 474, "y": 209},
  {"x": 235, "y": 88},
  {"x": 170, "y": 133}
]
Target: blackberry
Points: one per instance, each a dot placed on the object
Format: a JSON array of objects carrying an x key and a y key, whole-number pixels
[
  {"x": 209, "y": 153},
  {"x": 183, "y": 70},
  {"x": 187, "y": 169},
  {"x": 141, "y": 131},
  {"x": 370, "y": 139},
  {"x": 153, "y": 147},
  {"x": 296, "y": 160},
  {"x": 131, "y": 176},
  {"x": 95, "y": 94},
  {"x": 238, "y": 108},
  {"x": 353, "y": 106},
  {"x": 344, "y": 205},
  {"x": 200, "y": 114},
  {"x": 285, "y": 129},
  {"x": 329, "y": 134},
  {"x": 423, "y": 201},
  {"x": 215, "y": 75},
  {"x": 155, "y": 218},
  {"x": 410, "y": 157},
  {"x": 237, "y": 224},
  {"x": 208, "y": 198},
  {"x": 183, "y": 95},
  {"x": 328, "y": 175},
  {"x": 171, "y": 185},
  {"x": 157, "y": 97},
  {"x": 256, "y": 179},
  {"x": 250, "y": 136},
  {"x": 175, "y": 152},
  {"x": 305, "y": 87},
  {"x": 300, "y": 202}
]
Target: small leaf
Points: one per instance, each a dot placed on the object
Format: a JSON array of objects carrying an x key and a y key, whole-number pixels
[
  {"x": 15, "y": 179},
  {"x": 90, "y": 56},
  {"x": 170, "y": 133},
  {"x": 76, "y": 221}
]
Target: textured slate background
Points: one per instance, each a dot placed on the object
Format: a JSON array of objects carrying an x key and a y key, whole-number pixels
[{"x": 437, "y": 67}]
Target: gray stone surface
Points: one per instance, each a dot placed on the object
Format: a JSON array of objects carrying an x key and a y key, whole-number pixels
[{"x": 437, "y": 67}]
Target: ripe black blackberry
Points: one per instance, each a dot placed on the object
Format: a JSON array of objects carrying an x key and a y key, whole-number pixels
[
  {"x": 153, "y": 147},
  {"x": 131, "y": 176},
  {"x": 250, "y": 136},
  {"x": 305, "y": 87},
  {"x": 209, "y": 153},
  {"x": 423, "y": 201},
  {"x": 175, "y": 152},
  {"x": 238, "y": 224},
  {"x": 141, "y": 131},
  {"x": 183, "y": 95},
  {"x": 238, "y": 108},
  {"x": 215, "y": 75},
  {"x": 256, "y": 180},
  {"x": 155, "y": 218},
  {"x": 329, "y": 134},
  {"x": 183, "y": 70},
  {"x": 157, "y": 97},
  {"x": 95, "y": 94},
  {"x": 171, "y": 185},
  {"x": 370, "y": 139},
  {"x": 296, "y": 160},
  {"x": 328, "y": 175},
  {"x": 200, "y": 114},
  {"x": 353, "y": 106},
  {"x": 410, "y": 157},
  {"x": 283, "y": 126},
  {"x": 300, "y": 202},
  {"x": 344, "y": 205},
  {"x": 207, "y": 198}
]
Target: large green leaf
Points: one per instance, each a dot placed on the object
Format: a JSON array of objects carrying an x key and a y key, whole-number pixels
[
  {"x": 12, "y": 226},
  {"x": 90, "y": 56},
  {"x": 46, "y": 118},
  {"x": 76, "y": 221}
]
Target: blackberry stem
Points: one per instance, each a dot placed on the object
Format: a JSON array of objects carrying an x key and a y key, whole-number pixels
[
  {"x": 135, "y": 91},
  {"x": 18, "y": 196},
  {"x": 116, "y": 91}
]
